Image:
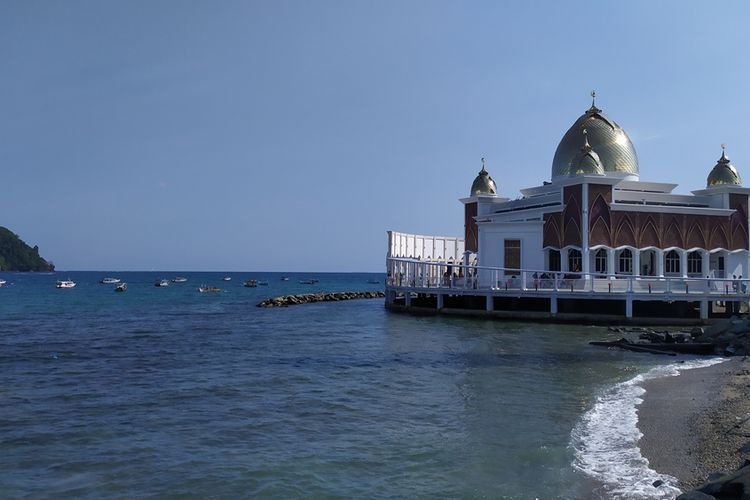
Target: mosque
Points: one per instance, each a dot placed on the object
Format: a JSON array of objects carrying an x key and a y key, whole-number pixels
[{"x": 594, "y": 228}]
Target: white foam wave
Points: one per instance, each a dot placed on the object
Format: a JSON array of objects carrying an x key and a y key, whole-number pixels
[{"x": 606, "y": 439}]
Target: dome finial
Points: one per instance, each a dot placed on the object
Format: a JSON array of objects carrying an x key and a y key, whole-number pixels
[
  {"x": 593, "y": 108},
  {"x": 724, "y": 158}
]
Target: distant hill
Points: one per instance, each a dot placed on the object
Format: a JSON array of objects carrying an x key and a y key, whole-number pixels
[{"x": 15, "y": 255}]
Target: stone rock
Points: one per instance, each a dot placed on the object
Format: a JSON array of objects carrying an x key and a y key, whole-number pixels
[{"x": 657, "y": 483}]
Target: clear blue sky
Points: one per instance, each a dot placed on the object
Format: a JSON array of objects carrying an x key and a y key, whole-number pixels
[{"x": 280, "y": 135}]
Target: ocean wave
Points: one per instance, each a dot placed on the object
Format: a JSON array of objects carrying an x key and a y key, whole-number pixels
[{"x": 606, "y": 438}]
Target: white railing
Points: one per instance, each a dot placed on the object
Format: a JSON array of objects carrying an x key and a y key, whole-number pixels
[{"x": 414, "y": 273}]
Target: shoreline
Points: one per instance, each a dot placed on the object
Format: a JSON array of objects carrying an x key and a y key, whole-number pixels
[{"x": 695, "y": 423}]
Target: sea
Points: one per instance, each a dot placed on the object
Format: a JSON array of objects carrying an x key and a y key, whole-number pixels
[{"x": 172, "y": 393}]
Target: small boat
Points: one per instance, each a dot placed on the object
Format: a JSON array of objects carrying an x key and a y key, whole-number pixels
[
  {"x": 65, "y": 284},
  {"x": 122, "y": 287},
  {"x": 263, "y": 283},
  {"x": 227, "y": 278},
  {"x": 179, "y": 279},
  {"x": 2, "y": 282},
  {"x": 208, "y": 289},
  {"x": 110, "y": 281},
  {"x": 161, "y": 283},
  {"x": 250, "y": 283},
  {"x": 285, "y": 278}
]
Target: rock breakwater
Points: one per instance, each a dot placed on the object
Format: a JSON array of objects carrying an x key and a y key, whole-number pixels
[{"x": 308, "y": 298}]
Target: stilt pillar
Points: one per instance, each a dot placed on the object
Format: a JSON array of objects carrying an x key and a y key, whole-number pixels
[
  {"x": 490, "y": 303},
  {"x": 704, "y": 309},
  {"x": 407, "y": 299},
  {"x": 553, "y": 306},
  {"x": 629, "y": 307},
  {"x": 440, "y": 301}
]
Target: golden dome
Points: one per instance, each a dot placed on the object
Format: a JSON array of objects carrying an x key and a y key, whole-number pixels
[
  {"x": 723, "y": 173},
  {"x": 616, "y": 153},
  {"x": 483, "y": 184}
]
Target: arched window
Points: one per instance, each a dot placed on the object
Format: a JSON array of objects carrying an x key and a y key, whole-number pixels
[
  {"x": 574, "y": 261},
  {"x": 600, "y": 261},
  {"x": 554, "y": 260},
  {"x": 672, "y": 262},
  {"x": 625, "y": 262},
  {"x": 695, "y": 263}
]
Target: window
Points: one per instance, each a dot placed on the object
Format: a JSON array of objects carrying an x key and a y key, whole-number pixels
[
  {"x": 695, "y": 263},
  {"x": 672, "y": 262},
  {"x": 600, "y": 261},
  {"x": 554, "y": 260},
  {"x": 512, "y": 256},
  {"x": 625, "y": 262},
  {"x": 574, "y": 261}
]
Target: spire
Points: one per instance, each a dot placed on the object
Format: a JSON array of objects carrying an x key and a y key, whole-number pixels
[
  {"x": 484, "y": 170},
  {"x": 724, "y": 158},
  {"x": 586, "y": 146},
  {"x": 593, "y": 109}
]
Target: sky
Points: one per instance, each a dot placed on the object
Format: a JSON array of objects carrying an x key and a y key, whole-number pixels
[{"x": 291, "y": 135}]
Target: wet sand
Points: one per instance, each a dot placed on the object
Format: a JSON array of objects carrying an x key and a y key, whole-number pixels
[{"x": 694, "y": 424}]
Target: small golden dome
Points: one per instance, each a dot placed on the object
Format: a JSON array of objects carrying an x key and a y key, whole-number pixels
[
  {"x": 586, "y": 161},
  {"x": 723, "y": 173},
  {"x": 483, "y": 184}
]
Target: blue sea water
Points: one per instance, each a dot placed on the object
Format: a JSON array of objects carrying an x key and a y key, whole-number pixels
[{"x": 167, "y": 392}]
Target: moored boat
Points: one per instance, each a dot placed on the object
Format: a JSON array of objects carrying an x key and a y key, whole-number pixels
[
  {"x": 2, "y": 282},
  {"x": 227, "y": 278},
  {"x": 161, "y": 283},
  {"x": 285, "y": 278},
  {"x": 263, "y": 283},
  {"x": 250, "y": 283},
  {"x": 208, "y": 289},
  {"x": 110, "y": 281},
  {"x": 122, "y": 287},
  {"x": 179, "y": 279},
  {"x": 65, "y": 284}
]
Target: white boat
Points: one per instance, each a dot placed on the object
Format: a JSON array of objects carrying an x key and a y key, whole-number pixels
[
  {"x": 65, "y": 284},
  {"x": 179, "y": 279},
  {"x": 122, "y": 287},
  {"x": 227, "y": 278},
  {"x": 2, "y": 282},
  {"x": 207, "y": 289},
  {"x": 285, "y": 278},
  {"x": 110, "y": 281},
  {"x": 161, "y": 283}
]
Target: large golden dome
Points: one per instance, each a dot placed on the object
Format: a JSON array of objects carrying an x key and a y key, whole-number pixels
[
  {"x": 483, "y": 184},
  {"x": 616, "y": 153}
]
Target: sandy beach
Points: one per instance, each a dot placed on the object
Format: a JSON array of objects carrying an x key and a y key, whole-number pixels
[{"x": 695, "y": 423}]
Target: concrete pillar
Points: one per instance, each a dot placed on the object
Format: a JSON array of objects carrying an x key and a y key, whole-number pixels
[
  {"x": 704, "y": 309},
  {"x": 636, "y": 262},
  {"x": 660, "y": 263},
  {"x": 564, "y": 260},
  {"x": 683, "y": 263},
  {"x": 629, "y": 307},
  {"x": 407, "y": 299},
  {"x": 611, "y": 261},
  {"x": 440, "y": 301},
  {"x": 585, "y": 253},
  {"x": 490, "y": 303},
  {"x": 705, "y": 262},
  {"x": 553, "y": 306}
]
